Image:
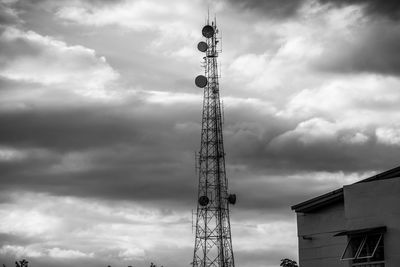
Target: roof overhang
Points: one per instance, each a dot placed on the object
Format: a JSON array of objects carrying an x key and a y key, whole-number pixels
[
  {"x": 373, "y": 230},
  {"x": 319, "y": 202},
  {"x": 337, "y": 195}
]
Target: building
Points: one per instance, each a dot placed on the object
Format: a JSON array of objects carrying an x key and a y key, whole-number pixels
[{"x": 357, "y": 225}]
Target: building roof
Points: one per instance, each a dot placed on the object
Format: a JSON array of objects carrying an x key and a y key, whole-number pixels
[{"x": 337, "y": 195}]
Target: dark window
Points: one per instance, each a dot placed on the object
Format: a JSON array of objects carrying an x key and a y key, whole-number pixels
[
  {"x": 365, "y": 250},
  {"x": 352, "y": 247},
  {"x": 370, "y": 246}
]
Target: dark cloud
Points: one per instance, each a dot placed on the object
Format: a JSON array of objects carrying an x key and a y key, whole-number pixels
[
  {"x": 374, "y": 49},
  {"x": 258, "y": 142},
  {"x": 48, "y": 4},
  {"x": 127, "y": 155},
  {"x": 135, "y": 154},
  {"x": 371, "y": 46},
  {"x": 288, "y": 8},
  {"x": 333, "y": 155},
  {"x": 275, "y": 193},
  {"x": 87, "y": 125},
  {"x": 386, "y": 8},
  {"x": 273, "y": 8},
  {"x": 65, "y": 129},
  {"x": 13, "y": 239},
  {"x": 8, "y": 16},
  {"x": 136, "y": 151}
]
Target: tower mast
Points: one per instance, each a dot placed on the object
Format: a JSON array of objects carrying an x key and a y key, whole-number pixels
[{"x": 213, "y": 242}]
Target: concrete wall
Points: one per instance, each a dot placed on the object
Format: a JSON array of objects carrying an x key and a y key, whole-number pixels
[
  {"x": 323, "y": 249},
  {"x": 374, "y": 204}
]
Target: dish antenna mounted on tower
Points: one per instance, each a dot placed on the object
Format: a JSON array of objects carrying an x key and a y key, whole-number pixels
[{"x": 213, "y": 242}]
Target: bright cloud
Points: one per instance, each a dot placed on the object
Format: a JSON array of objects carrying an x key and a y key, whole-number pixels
[
  {"x": 67, "y": 254},
  {"x": 10, "y": 154},
  {"x": 45, "y": 60}
]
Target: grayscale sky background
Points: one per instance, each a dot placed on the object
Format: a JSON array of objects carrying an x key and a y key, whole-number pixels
[{"x": 100, "y": 120}]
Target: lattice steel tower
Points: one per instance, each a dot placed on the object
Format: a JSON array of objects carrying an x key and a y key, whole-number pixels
[{"x": 213, "y": 242}]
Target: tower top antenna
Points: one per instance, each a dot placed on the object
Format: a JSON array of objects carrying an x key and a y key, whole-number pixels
[{"x": 208, "y": 14}]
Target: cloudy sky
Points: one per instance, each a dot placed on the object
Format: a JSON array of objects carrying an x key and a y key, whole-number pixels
[{"x": 100, "y": 121}]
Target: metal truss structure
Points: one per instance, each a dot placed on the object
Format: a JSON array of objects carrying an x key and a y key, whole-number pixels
[{"x": 213, "y": 242}]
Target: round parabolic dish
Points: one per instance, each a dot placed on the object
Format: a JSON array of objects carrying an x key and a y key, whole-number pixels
[
  {"x": 232, "y": 199},
  {"x": 201, "y": 81},
  {"x": 207, "y": 31},
  {"x": 202, "y": 46},
  {"x": 203, "y": 201}
]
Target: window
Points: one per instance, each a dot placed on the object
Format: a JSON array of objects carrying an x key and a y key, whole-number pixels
[
  {"x": 352, "y": 248},
  {"x": 365, "y": 250},
  {"x": 370, "y": 246}
]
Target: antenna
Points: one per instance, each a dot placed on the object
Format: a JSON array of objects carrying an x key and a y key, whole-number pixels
[{"x": 208, "y": 14}]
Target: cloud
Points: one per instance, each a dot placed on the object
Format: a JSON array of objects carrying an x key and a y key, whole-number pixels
[
  {"x": 371, "y": 48},
  {"x": 139, "y": 15},
  {"x": 8, "y": 15},
  {"x": 47, "y": 130},
  {"x": 309, "y": 132},
  {"x": 10, "y": 154},
  {"x": 37, "y": 224},
  {"x": 30, "y": 57},
  {"x": 158, "y": 25},
  {"x": 31, "y": 252},
  {"x": 355, "y": 43},
  {"x": 67, "y": 254},
  {"x": 274, "y": 9},
  {"x": 289, "y": 9},
  {"x": 388, "y": 135},
  {"x": 123, "y": 144},
  {"x": 389, "y": 9},
  {"x": 98, "y": 142},
  {"x": 100, "y": 232},
  {"x": 124, "y": 234},
  {"x": 82, "y": 146},
  {"x": 268, "y": 258},
  {"x": 19, "y": 251}
]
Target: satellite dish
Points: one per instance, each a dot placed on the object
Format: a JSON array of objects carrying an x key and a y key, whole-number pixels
[
  {"x": 203, "y": 201},
  {"x": 207, "y": 31},
  {"x": 232, "y": 199},
  {"x": 201, "y": 81},
  {"x": 202, "y": 46}
]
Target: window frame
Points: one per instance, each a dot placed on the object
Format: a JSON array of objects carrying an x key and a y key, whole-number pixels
[
  {"x": 375, "y": 248},
  {"x": 361, "y": 246},
  {"x": 348, "y": 244}
]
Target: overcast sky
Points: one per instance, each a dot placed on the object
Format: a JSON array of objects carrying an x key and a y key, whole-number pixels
[{"x": 100, "y": 121}]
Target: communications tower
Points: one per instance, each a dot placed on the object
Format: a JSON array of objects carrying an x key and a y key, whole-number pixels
[{"x": 213, "y": 242}]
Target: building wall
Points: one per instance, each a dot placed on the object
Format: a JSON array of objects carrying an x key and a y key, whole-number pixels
[
  {"x": 374, "y": 204},
  {"x": 323, "y": 249}
]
